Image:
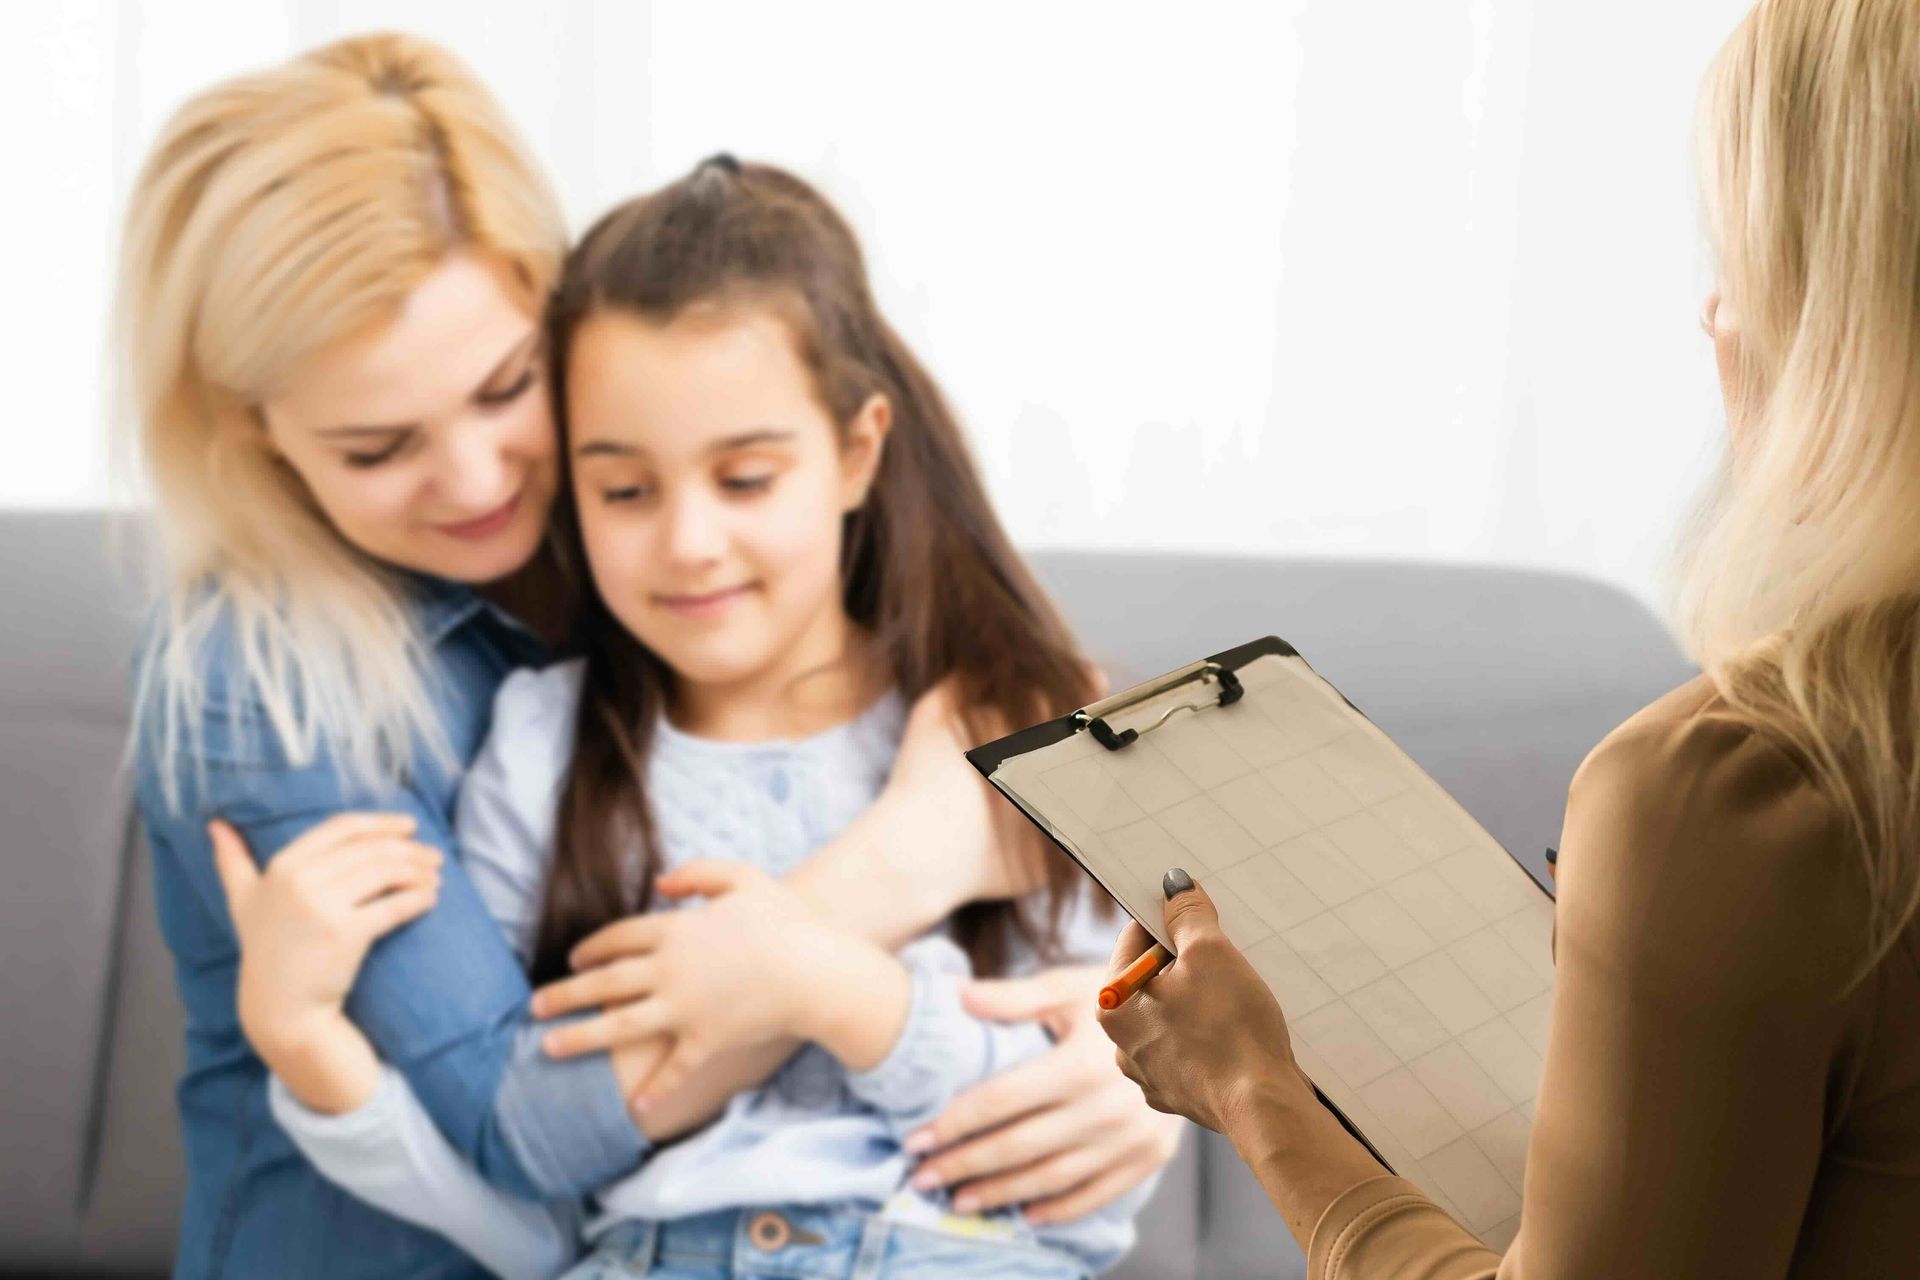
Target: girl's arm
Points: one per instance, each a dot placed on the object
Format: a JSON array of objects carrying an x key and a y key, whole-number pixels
[
  {"x": 774, "y": 969},
  {"x": 389, "y": 1153}
]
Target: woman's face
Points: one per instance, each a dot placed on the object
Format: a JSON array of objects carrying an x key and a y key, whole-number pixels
[
  {"x": 712, "y": 485},
  {"x": 428, "y": 440}
]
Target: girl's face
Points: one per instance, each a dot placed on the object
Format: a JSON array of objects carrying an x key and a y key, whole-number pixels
[
  {"x": 712, "y": 485},
  {"x": 429, "y": 440}
]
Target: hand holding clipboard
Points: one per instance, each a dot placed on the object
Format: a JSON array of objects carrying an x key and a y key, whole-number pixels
[{"x": 1410, "y": 952}]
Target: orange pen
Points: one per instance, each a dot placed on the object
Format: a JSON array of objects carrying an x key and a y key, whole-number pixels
[{"x": 1134, "y": 977}]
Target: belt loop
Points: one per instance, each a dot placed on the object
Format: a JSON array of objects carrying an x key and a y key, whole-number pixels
[
  {"x": 646, "y": 1249},
  {"x": 872, "y": 1254}
]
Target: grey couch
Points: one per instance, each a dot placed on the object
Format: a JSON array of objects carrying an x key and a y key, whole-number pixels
[{"x": 1497, "y": 680}]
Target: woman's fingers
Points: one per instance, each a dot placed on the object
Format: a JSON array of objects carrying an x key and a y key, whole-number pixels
[
  {"x": 635, "y": 1021},
  {"x": 633, "y": 935},
  {"x": 1049, "y": 1175},
  {"x": 991, "y": 1103},
  {"x": 1011, "y": 1146},
  {"x": 1032, "y": 997},
  {"x": 628, "y": 978},
  {"x": 1128, "y": 947},
  {"x": 1096, "y": 1193},
  {"x": 1190, "y": 915}
]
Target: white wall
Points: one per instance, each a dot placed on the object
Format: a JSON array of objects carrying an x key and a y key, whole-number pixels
[{"x": 1404, "y": 278}]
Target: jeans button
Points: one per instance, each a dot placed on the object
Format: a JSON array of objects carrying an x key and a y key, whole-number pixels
[{"x": 769, "y": 1231}]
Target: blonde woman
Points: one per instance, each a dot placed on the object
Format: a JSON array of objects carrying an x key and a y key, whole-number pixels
[
  {"x": 333, "y": 279},
  {"x": 1732, "y": 1083}
]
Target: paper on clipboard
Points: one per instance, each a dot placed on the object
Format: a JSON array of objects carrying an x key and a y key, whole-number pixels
[{"x": 1410, "y": 951}]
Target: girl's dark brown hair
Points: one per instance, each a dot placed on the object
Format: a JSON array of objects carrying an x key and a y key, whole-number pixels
[{"x": 925, "y": 567}]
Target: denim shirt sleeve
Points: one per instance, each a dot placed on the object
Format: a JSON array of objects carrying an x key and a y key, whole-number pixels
[{"x": 442, "y": 999}]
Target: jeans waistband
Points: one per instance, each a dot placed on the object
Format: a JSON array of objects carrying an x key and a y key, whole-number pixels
[{"x": 827, "y": 1242}]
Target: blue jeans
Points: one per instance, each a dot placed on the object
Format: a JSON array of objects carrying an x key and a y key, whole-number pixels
[{"x": 812, "y": 1242}]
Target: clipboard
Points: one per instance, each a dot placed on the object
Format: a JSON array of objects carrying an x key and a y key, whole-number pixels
[{"x": 1411, "y": 952}]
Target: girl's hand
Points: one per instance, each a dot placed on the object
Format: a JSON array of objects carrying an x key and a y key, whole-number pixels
[
  {"x": 1205, "y": 1038},
  {"x": 751, "y": 965},
  {"x": 1064, "y": 1134},
  {"x": 304, "y": 925}
]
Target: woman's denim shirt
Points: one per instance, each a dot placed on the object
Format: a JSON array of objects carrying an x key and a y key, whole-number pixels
[{"x": 442, "y": 999}]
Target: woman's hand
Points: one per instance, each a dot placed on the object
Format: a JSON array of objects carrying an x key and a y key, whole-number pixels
[
  {"x": 1062, "y": 1135},
  {"x": 304, "y": 925},
  {"x": 749, "y": 966},
  {"x": 1205, "y": 1038}
]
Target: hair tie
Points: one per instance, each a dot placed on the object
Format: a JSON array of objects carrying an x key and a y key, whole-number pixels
[{"x": 719, "y": 160}]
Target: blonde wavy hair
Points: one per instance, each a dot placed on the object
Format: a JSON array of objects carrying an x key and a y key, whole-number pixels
[
  {"x": 279, "y": 212},
  {"x": 1800, "y": 594}
]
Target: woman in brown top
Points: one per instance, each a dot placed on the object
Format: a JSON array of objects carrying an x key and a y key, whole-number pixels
[{"x": 1732, "y": 1082}]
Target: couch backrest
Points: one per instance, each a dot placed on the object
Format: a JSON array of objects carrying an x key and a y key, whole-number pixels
[{"x": 1497, "y": 680}]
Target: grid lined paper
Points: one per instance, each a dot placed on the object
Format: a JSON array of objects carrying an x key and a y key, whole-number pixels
[{"x": 1412, "y": 955}]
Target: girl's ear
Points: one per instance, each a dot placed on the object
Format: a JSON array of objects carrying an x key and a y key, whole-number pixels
[{"x": 865, "y": 441}]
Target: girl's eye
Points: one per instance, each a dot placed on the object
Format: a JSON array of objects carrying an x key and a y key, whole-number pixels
[
  {"x": 631, "y": 493},
  {"x": 511, "y": 392},
  {"x": 378, "y": 456},
  {"x": 747, "y": 484}
]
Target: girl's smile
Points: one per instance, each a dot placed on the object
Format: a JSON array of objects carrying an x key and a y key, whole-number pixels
[{"x": 705, "y": 605}]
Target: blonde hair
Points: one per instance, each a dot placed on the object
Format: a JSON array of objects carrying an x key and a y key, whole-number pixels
[
  {"x": 1800, "y": 595},
  {"x": 278, "y": 212}
]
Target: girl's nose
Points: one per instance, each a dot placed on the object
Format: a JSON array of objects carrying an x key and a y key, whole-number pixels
[{"x": 695, "y": 530}]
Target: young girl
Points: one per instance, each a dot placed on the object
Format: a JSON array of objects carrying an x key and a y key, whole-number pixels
[{"x": 788, "y": 542}]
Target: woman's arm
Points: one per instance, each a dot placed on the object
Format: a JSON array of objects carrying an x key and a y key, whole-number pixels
[{"x": 1706, "y": 935}]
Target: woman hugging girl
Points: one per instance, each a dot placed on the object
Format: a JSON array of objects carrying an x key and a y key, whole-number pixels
[{"x": 787, "y": 544}]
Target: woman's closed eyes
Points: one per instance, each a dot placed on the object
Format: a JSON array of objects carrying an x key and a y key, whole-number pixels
[{"x": 486, "y": 398}]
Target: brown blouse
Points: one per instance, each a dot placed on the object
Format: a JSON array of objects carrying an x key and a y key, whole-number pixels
[{"x": 1718, "y": 1101}]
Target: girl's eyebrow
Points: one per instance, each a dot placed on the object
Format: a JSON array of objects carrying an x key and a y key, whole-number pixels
[
  {"x": 622, "y": 449},
  {"x": 395, "y": 428}
]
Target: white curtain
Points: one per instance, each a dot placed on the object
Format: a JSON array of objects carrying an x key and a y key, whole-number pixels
[{"x": 1407, "y": 278}]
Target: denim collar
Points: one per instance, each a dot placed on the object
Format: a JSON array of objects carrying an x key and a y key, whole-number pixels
[{"x": 444, "y": 606}]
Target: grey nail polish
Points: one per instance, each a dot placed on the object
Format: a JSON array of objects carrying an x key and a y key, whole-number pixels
[{"x": 1176, "y": 882}]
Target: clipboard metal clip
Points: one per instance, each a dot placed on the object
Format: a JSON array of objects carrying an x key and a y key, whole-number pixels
[{"x": 1094, "y": 718}]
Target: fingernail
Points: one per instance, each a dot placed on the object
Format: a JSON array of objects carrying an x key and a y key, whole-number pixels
[
  {"x": 537, "y": 1006},
  {"x": 966, "y": 1202},
  {"x": 1175, "y": 883},
  {"x": 925, "y": 1180},
  {"x": 1553, "y": 856},
  {"x": 551, "y": 1044},
  {"x": 918, "y": 1142}
]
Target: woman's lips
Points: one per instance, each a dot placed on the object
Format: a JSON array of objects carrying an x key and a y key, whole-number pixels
[
  {"x": 484, "y": 526},
  {"x": 710, "y": 604}
]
